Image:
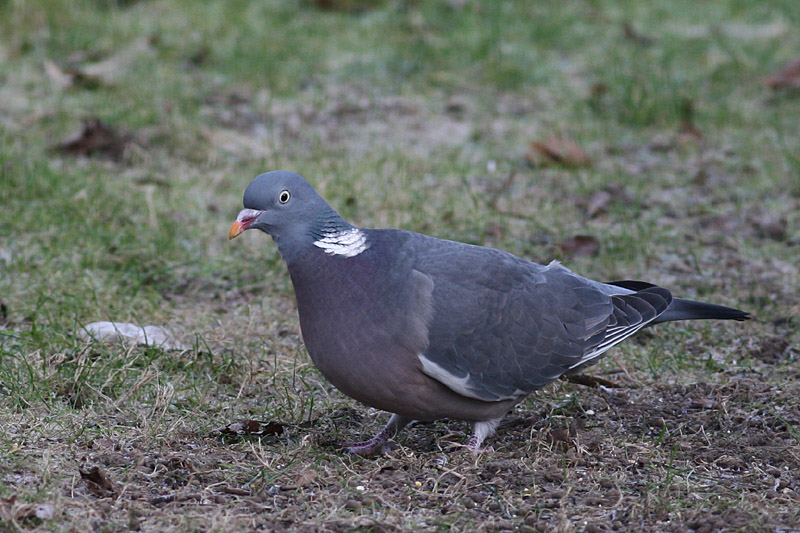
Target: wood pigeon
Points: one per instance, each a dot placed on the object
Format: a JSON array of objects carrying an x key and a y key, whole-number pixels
[{"x": 427, "y": 328}]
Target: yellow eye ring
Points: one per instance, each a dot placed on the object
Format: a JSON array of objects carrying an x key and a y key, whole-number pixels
[{"x": 284, "y": 196}]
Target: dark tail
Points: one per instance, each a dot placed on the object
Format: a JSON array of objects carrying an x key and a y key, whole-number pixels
[{"x": 681, "y": 309}]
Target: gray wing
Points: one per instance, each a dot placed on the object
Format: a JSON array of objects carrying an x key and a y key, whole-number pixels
[{"x": 502, "y": 327}]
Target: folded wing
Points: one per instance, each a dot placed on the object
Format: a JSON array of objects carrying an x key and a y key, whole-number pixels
[{"x": 502, "y": 327}]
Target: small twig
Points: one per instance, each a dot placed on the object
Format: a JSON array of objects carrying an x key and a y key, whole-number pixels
[
  {"x": 169, "y": 498},
  {"x": 592, "y": 381},
  {"x": 235, "y": 491}
]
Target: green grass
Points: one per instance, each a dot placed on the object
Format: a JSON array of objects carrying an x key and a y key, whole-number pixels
[{"x": 404, "y": 114}]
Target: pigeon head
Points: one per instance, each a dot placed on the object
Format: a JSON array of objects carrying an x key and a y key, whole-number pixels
[{"x": 285, "y": 206}]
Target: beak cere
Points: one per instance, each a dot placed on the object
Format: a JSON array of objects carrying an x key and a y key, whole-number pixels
[{"x": 243, "y": 221}]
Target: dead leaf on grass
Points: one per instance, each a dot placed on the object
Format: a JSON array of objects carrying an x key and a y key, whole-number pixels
[
  {"x": 597, "y": 203},
  {"x": 599, "y": 200},
  {"x": 457, "y": 105},
  {"x": 632, "y": 34},
  {"x": 598, "y": 98},
  {"x": 771, "y": 227},
  {"x": 772, "y": 349},
  {"x": 71, "y": 78},
  {"x": 97, "y": 482},
  {"x": 557, "y": 150},
  {"x": 306, "y": 477},
  {"x": 579, "y": 246},
  {"x": 703, "y": 402},
  {"x": 58, "y": 77},
  {"x": 787, "y": 78},
  {"x": 598, "y": 89},
  {"x": 96, "y": 138},
  {"x": 559, "y": 438},
  {"x": 252, "y": 427},
  {"x": 6, "y": 508},
  {"x": 11, "y": 510},
  {"x": 200, "y": 56}
]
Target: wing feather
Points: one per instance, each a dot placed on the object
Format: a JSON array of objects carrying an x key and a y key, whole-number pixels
[{"x": 502, "y": 327}]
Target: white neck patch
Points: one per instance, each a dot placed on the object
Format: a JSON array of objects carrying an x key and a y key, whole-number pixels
[{"x": 348, "y": 243}]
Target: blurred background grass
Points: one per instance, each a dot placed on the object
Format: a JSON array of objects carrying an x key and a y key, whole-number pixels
[{"x": 410, "y": 114}]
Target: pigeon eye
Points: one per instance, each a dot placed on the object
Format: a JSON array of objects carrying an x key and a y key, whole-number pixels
[{"x": 284, "y": 196}]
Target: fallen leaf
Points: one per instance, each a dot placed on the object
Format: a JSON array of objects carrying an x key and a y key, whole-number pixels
[
  {"x": 598, "y": 89},
  {"x": 772, "y": 349},
  {"x": 306, "y": 477},
  {"x": 456, "y": 105},
  {"x": 559, "y": 438},
  {"x": 97, "y": 482},
  {"x": 557, "y": 150},
  {"x": 634, "y": 35},
  {"x": 702, "y": 403},
  {"x": 7, "y": 508},
  {"x": 597, "y": 203},
  {"x": 12, "y": 510},
  {"x": 58, "y": 77},
  {"x": 688, "y": 133},
  {"x": 82, "y": 80},
  {"x": 95, "y": 138},
  {"x": 786, "y": 78},
  {"x": 252, "y": 427},
  {"x": 769, "y": 227},
  {"x": 599, "y": 200},
  {"x": 200, "y": 56},
  {"x": 579, "y": 245},
  {"x": 69, "y": 78},
  {"x": 495, "y": 231},
  {"x": 101, "y": 443}
]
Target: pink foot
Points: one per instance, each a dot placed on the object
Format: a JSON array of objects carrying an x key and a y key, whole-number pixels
[
  {"x": 369, "y": 447},
  {"x": 380, "y": 442},
  {"x": 481, "y": 430}
]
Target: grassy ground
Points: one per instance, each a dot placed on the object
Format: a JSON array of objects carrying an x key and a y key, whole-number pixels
[{"x": 408, "y": 114}]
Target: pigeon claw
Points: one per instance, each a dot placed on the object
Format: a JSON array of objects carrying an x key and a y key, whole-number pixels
[
  {"x": 368, "y": 448},
  {"x": 478, "y": 451}
]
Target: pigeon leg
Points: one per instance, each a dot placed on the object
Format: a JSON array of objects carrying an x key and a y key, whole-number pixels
[
  {"x": 481, "y": 430},
  {"x": 379, "y": 443}
]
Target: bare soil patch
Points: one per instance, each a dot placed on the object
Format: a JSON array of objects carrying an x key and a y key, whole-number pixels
[{"x": 657, "y": 456}]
